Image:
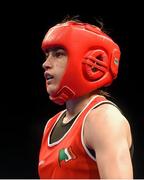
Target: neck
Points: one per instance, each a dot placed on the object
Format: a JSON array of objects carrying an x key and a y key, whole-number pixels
[{"x": 76, "y": 105}]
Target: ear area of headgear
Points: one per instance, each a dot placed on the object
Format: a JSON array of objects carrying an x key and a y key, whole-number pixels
[{"x": 95, "y": 64}]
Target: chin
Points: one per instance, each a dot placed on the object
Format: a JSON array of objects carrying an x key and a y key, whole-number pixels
[{"x": 51, "y": 90}]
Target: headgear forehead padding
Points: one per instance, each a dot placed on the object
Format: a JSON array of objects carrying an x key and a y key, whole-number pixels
[{"x": 93, "y": 59}]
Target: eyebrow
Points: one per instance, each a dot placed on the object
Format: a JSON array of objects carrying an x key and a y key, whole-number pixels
[{"x": 54, "y": 48}]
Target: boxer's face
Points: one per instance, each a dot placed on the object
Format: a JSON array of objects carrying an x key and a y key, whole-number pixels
[{"x": 54, "y": 67}]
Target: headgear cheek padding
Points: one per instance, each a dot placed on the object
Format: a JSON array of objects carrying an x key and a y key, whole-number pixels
[{"x": 93, "y": 59}]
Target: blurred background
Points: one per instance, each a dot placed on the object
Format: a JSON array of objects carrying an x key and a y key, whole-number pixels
[{"x": 25, "y": 106}]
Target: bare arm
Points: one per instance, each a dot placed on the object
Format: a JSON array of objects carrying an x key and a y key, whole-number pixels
[{"x": 108, "y": 133}]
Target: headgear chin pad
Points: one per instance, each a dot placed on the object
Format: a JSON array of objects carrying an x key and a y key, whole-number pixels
[{"x": 93, "y": 59}]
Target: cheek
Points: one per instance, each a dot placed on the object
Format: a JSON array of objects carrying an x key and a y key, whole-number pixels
[
  {"x": 59, "y": 76},
  {"x": 60, "y": 69}
]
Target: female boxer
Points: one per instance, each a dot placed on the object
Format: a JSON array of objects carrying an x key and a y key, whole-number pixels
[{"x": 91, "y": 138}]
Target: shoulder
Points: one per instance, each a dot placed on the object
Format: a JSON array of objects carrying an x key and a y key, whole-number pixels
[
  {"x": 106, "y": 121},
  {"x": 106, "y": 114}
]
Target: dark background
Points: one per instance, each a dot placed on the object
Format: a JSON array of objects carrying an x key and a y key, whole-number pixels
[{"x": 25, "y": 107}]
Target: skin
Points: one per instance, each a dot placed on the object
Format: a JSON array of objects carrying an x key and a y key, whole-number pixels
[
  {"x": 106, "y": 130},
  {"x": 54, "y": 65}
]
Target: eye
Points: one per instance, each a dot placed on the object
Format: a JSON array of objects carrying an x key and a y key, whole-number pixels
[
  {"x": 46, "y": 55},
  {"x": 59, "y": 53},
  {"x": 55, "y": 52}
]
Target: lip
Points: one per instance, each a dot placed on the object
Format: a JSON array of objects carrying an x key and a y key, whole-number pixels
[
  {"x": 48, "y": 77},
  {"x": 47, "y": 74},
  {"x": 48, "y": 82}
]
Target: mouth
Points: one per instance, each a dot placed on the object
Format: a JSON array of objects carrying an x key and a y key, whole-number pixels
[{"x": 48, "y": 77}]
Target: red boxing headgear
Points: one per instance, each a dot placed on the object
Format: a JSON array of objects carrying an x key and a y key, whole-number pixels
[{"x": 93, "y": 59}]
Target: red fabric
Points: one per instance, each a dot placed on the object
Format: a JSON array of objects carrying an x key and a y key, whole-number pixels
[{"x": 80, "y": 164}]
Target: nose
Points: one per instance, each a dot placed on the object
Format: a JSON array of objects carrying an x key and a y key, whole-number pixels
[{"x": 47, "y": 64}]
